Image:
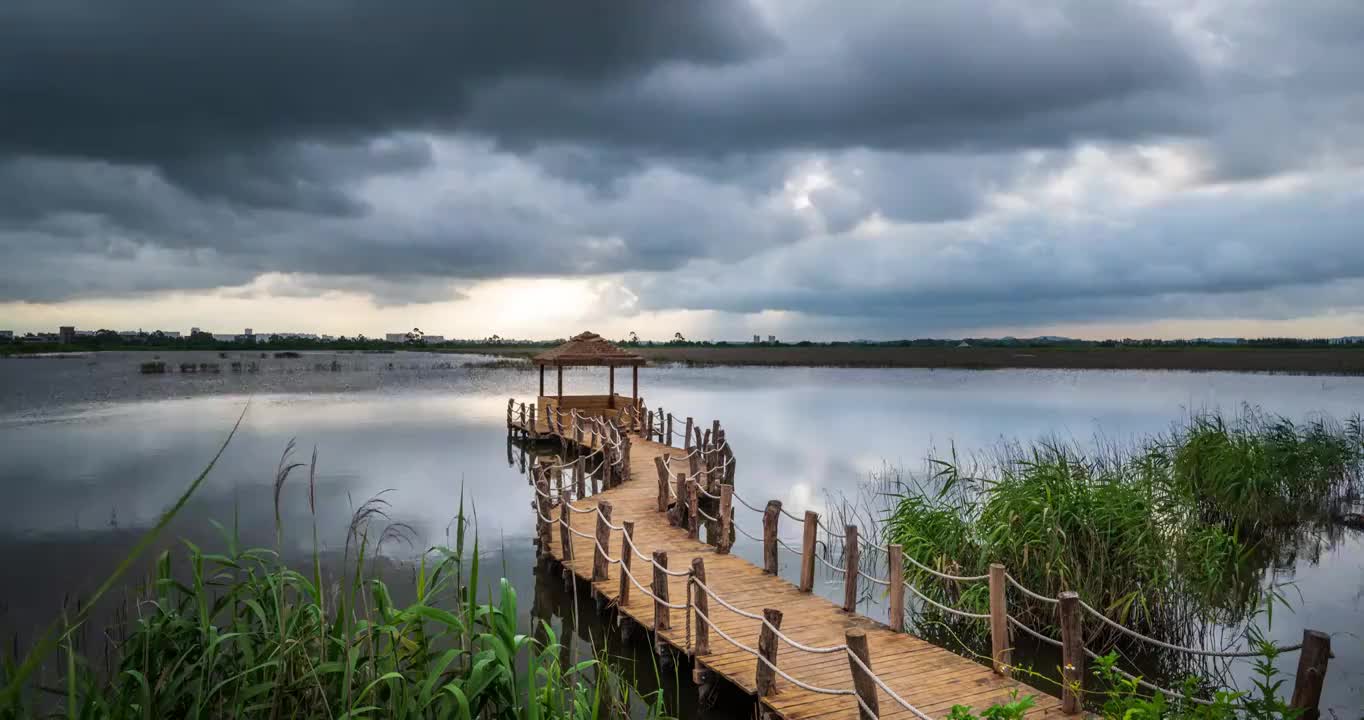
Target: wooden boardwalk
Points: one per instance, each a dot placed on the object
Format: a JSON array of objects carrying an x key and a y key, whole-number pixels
[{"x": 925, "y": 675}]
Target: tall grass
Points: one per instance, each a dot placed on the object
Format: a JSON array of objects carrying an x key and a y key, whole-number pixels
[
  {"x": 1170, "y": 535},
  {"x": 240, "y": 633}
]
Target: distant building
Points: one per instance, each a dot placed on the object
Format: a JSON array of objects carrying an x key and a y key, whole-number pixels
[
  {"x": 6, "y": 334},
  {"x": 395, "y": 337},
  {"x": 66, "y": 334},
  {"x": 772, "y": 339},
  {"x": 757, "y": 339},
  {"x": 433, "y": 339}
]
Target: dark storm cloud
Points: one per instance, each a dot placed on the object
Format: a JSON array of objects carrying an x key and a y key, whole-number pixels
[
  {"x": 743, "y": 153},
  {"x": 198, "y": 89},
  {"x": 890, "y": 75},
  {"x": 1033, "y": 270},
  {"x": 215, "y": 94}
]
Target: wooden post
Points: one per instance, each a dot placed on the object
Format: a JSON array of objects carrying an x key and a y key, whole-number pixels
[
  {"x": 686, "y": 436},
  {"x": 679, "y": 513},
  {"x": 1072, "y": 653},
  {"x": 601, "y": 568},
  {"x": 579, "y": 477},
  {"x": 726, "y": 513},
  {"x": 896, "y": 561},
  {"x": 852, "y": 555},
  {"x": 856, "y": 640},
  {"x": 693, "y": 508},
  {"x": 531, "y": 429},
  {"x": 668, "y": 425},
  {"x": 1316, "y": 651},
  {"x": 542, "y": 511},
  {"x": 611, "y": 393},
  {"x": 701, "y": 603},
  {"x": 511, "y": 404},
  {"x": 660, "y": 591},
  {"x": 625, "y": 457},
  {"x": 807, "y": 551},
  {"x": 999, "y": 620},
  {"x": 577, "y": 428},
  {"x": 565, "y": 537},
  {"x": 649, "y": 426},
  {"x": 662, "y": 483},
  {"x": 542, "y": 379},
  {"x": 634, "y": 383},
  {"x": 696, "y": 439},
  {"x": 770, "y": 517},
  {"x": 560, "y": 373},
  {"x": 766, "y": 677},
  {"x": 623, "y": 598}
]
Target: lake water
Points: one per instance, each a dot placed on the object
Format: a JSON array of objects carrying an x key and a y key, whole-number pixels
[{"x": 91, "y": 452}]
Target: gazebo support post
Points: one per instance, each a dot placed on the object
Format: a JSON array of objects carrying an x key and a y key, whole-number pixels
[
  {"x": 560, "y": 369},
  {"x": 634, "y": 384},
  {"x": 542, "y": 380},
  {"x": 611, "y": 390}
]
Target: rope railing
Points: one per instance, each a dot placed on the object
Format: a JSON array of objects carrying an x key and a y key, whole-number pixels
[
  {"x": 1021, "y": 626},
  {"x": 1181, "y": 648},
  {"x": 1035, "y": 596},
  {"x": 775, "y": 630},
  {"x": 886, "y": 688},
  {"x": 945, "y": 608}
]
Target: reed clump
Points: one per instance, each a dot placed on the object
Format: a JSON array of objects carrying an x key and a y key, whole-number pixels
[
  {"x": 241, "y": 634},
  {"x": 1167, "y": 536}
]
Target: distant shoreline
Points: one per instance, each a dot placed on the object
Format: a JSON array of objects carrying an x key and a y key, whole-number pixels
[
  {"x": 1315, "y": 361},
  {"x": 1344, "y": 361}
]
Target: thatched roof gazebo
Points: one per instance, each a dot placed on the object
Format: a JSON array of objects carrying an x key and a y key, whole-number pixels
[{"x": 592, "y": 350}]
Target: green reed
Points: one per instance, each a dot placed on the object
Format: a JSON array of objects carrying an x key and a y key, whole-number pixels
[
  {"x": 1167, "y": 535},
  {"x": 240, "y": 633}
]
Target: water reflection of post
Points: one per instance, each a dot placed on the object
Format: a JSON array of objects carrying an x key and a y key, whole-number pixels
[
  {"x": 542, "y": 602},
  {"x": 567, "y": 631}
]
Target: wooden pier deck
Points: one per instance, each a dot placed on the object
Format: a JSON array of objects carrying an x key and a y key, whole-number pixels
[{"x": 925, "y": 675}]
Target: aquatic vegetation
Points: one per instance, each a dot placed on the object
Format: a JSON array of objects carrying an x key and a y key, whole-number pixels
[
  {"x": 1169, "y": 535},
  {"x": 1256, "y": 473},
  {"x": 241, "y": 634}
]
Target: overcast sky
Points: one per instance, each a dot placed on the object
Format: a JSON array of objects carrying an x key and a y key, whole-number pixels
[{"x": 808, "y": 168}]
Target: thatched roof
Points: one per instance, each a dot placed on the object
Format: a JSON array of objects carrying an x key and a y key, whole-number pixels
[{"x": 588, "y": 349}]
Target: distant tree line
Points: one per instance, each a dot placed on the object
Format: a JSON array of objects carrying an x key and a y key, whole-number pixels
[{"x": 110, "y": 340}]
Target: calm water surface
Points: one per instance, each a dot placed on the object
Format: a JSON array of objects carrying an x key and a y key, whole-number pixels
[{"x": 91, "y": 452}]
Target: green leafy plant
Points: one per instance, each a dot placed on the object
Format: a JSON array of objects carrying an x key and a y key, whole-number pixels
[{"x": 242, "y": 634}]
